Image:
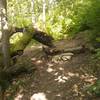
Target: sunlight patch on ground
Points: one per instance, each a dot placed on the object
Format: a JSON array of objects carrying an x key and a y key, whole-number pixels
[
  {"x": 61, "y": 68},
  {"x": 50, "y": 64},
  {"x": 39, "y": 47},
  {"x": 88, "y": 78},
  {"x": 58, "y": 95},
  {"x": 50, "y": 70},
  {"x": 56, "y": 73},
  {"x": 19, "y": 97},
  {"x": 39, "y": 61},
  {"x": 61, "y": 79},
  {"x": 33, "y": 59},
  {"x": 73, "y": 74},
  {"x": 38, "y": 96},
  {"x": 36, "y": 61},
  {"x": 33, "y": 46}
]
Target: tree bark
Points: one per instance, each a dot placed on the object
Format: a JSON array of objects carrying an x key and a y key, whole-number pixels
[{"x": 5, "y": 34}]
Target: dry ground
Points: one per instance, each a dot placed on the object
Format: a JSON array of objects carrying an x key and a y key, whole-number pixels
[{"x": 61, "y": 80}]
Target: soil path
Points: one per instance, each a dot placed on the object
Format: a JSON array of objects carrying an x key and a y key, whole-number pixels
[{"x": 55, "y": 80}]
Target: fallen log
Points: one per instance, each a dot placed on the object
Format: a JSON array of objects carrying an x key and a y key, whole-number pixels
[
  {"x": 31, "y": 32},
  {"x": 36, "y": 34},
  {"x": 74, "y": 50}
]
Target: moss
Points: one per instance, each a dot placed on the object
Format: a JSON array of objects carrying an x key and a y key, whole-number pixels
[{"x": 20, "y": 41}]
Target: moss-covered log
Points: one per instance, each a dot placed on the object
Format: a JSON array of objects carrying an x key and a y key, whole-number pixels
[{"x": 20, "y": 40}]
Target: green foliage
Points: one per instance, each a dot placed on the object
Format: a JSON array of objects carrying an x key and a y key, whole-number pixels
[
  {"x": 98, "y": 39},
  {"x": 97, "y": 55},
  {"x": 70, "y": 17},
  {"x": 4, "y": 80},
  {"x": 95, "y": 88},
  {"x": 63, "y": 17},
  {"x": 23, "y": 21},
  {"x": 19, "y": 13},
  {"x": 93, "y": 15},
  {"x": 19, "y": 41},
  {"x": 15, "y": 87}
]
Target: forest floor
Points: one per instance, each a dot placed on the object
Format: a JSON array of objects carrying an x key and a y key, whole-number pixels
[{"x": 55, "y": 80}]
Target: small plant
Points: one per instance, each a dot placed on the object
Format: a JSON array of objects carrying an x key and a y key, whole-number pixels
[
  {"x": 98, "y": 53},
  {"x": 95, "y": 88}
]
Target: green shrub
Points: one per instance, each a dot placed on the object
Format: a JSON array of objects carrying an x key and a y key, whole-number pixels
[{"x": 95, "y": 88}]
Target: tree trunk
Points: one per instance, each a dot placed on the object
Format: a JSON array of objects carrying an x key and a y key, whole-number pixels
[{"x": 5, "y": 33}]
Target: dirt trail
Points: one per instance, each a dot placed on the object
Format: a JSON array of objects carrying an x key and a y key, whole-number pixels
[{"x": 62, "y": 80}]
